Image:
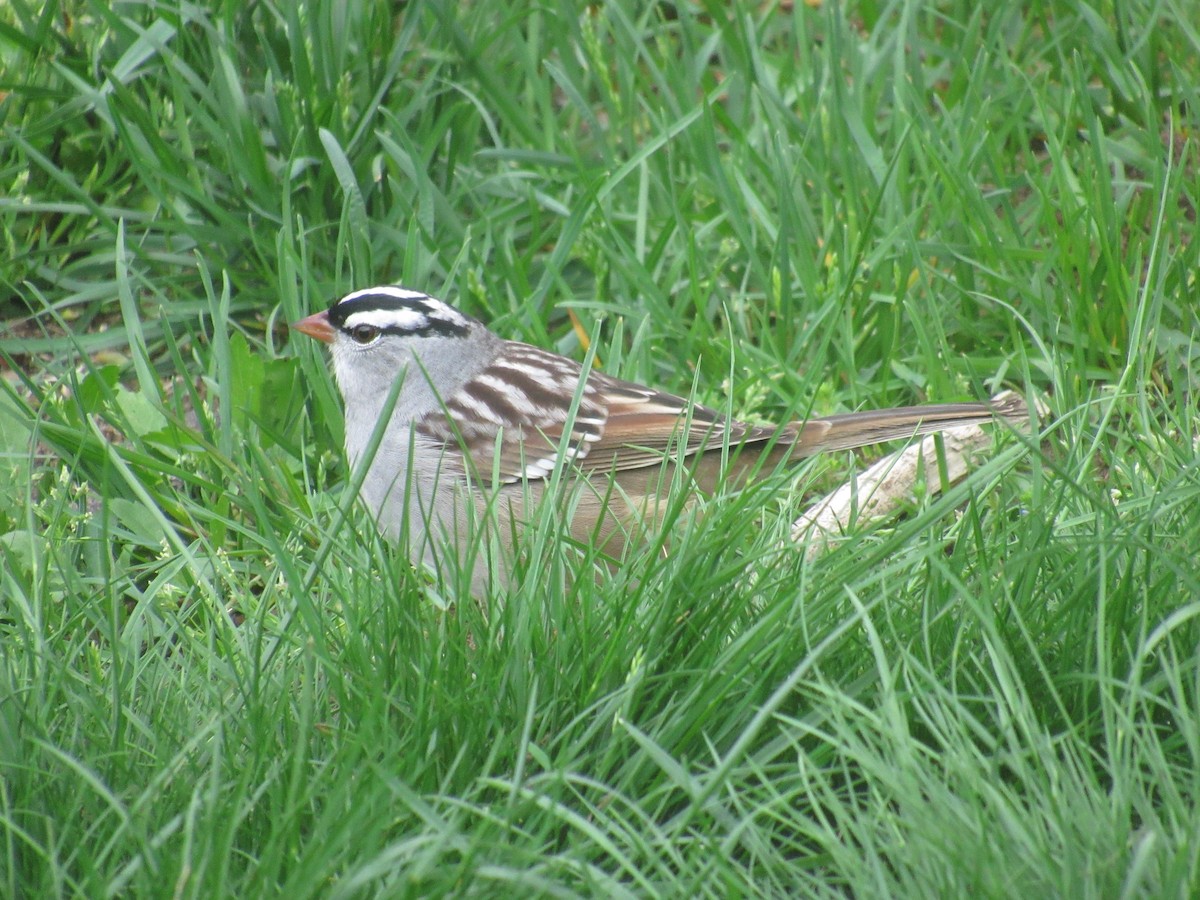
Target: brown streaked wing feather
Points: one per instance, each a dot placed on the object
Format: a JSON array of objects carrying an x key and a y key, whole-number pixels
[
  {"x": 644, "y": 424},
  {"x": 511, "y": 417}
]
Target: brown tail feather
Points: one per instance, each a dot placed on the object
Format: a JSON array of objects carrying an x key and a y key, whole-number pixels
[{"x": 861, "y": 429}]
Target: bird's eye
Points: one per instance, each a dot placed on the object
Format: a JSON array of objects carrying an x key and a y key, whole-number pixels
[{"x": 364, "y": 334}]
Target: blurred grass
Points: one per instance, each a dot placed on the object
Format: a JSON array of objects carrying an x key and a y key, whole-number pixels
[{"x": 216, "y": 680}]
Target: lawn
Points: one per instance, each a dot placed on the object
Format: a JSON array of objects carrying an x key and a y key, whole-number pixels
[{"x": 217, "y": 680}]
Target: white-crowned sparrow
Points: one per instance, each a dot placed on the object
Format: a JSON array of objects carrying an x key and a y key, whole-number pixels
[{"x": 478, "y": 424}]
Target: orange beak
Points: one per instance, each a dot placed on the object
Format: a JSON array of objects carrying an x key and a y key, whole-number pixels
[{"x": 317, "y": 326}]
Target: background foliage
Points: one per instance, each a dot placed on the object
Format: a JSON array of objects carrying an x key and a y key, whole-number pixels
[{"x": 215, "y": 680}]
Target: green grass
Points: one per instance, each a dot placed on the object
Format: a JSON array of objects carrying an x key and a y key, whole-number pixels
[{"x": 216, "y": 680}]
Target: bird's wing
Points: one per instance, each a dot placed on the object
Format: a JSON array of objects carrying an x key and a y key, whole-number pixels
[
  {"x": 644, "y": 426},
  {"x": 511, "y": 419}
]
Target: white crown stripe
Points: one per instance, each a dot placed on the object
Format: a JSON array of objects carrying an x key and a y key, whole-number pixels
[
  {"x": 401, "y": 319},
  {"x": 396, "y": 293},
  {"x": 398, "y": 309}
]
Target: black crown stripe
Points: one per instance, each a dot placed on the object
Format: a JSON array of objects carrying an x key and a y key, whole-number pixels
[{"x": 433, "y": 322}]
